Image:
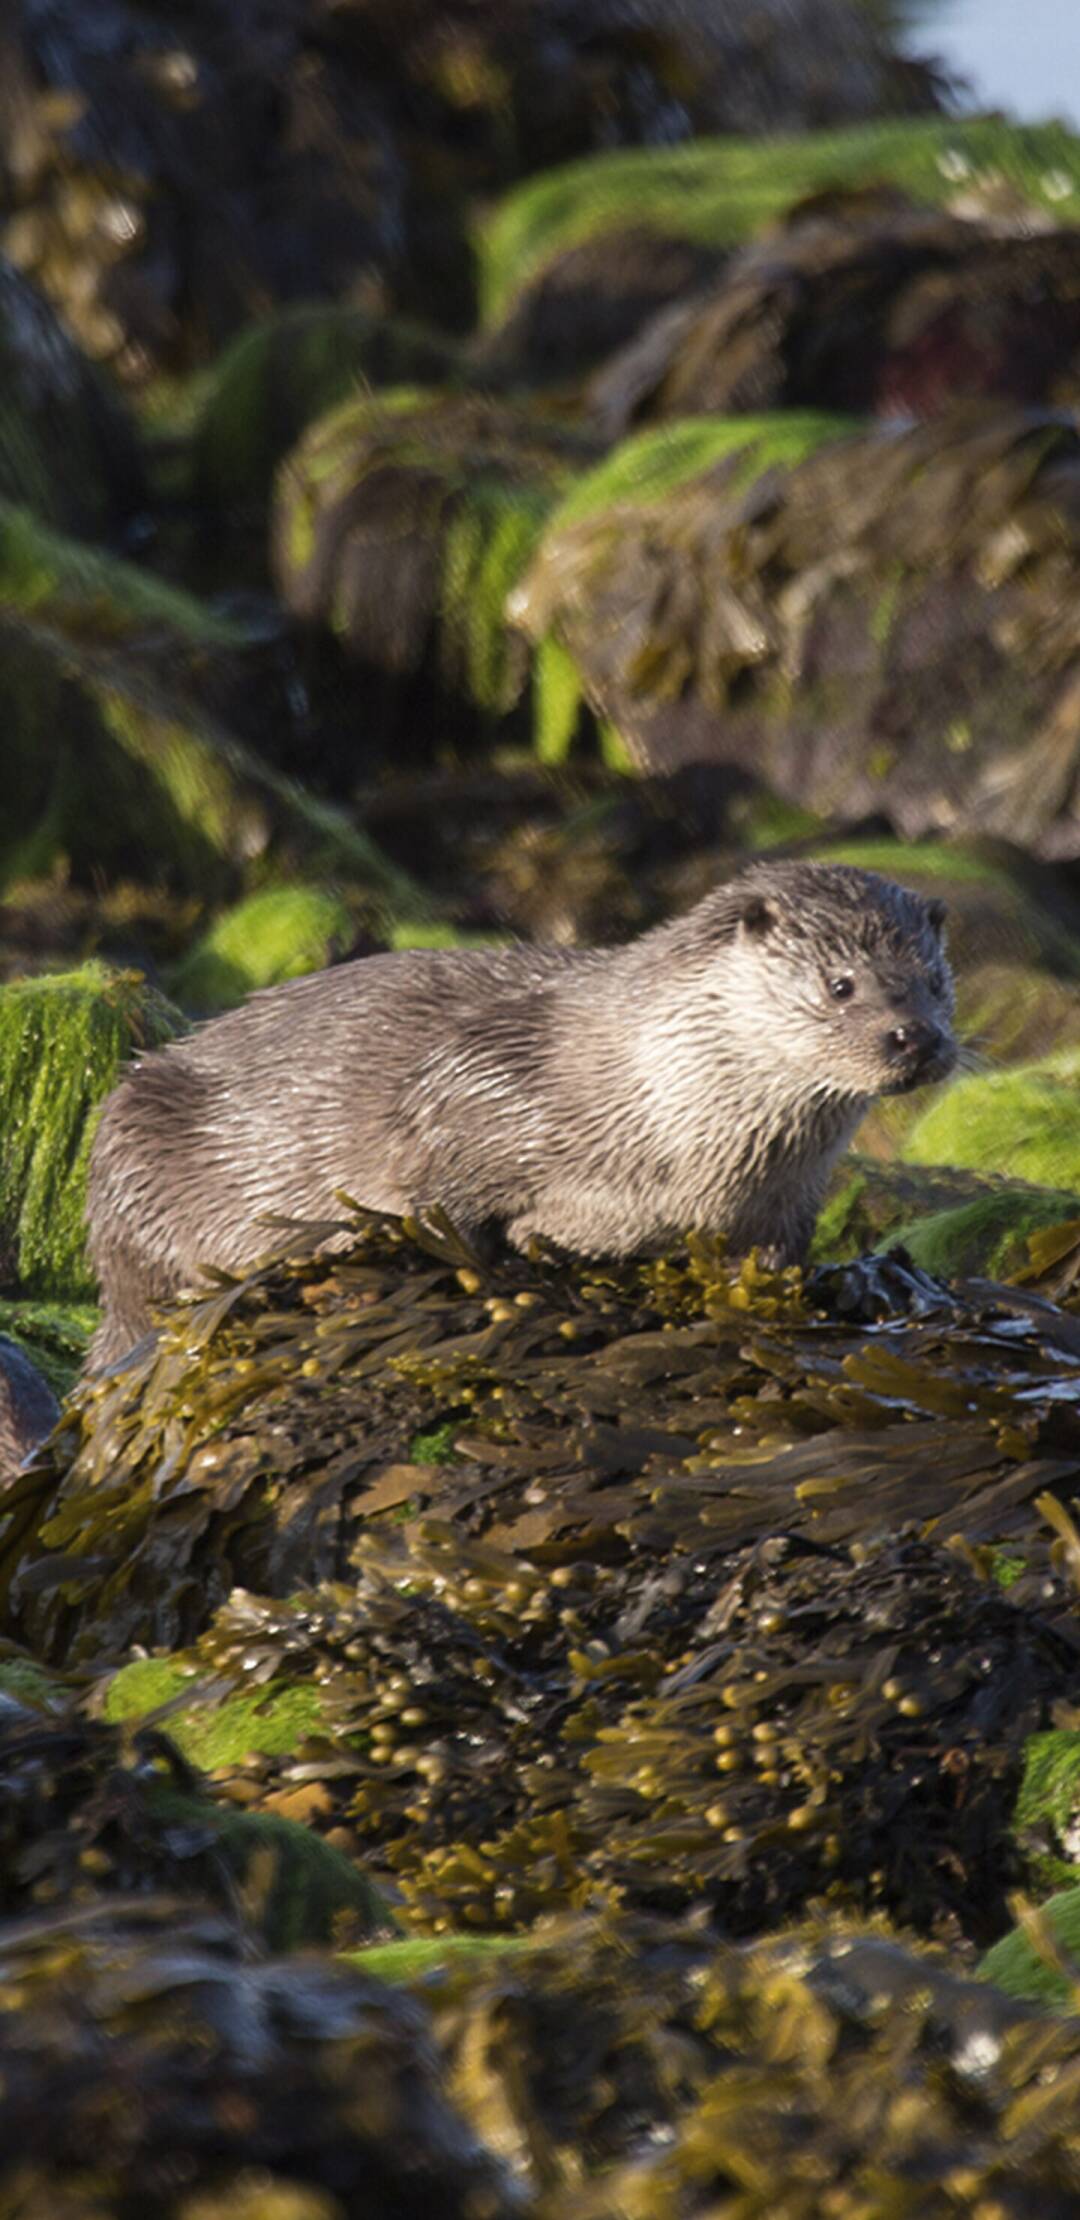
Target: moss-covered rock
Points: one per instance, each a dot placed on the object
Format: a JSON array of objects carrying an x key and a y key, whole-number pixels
[
  {"x": 125, "y": 752},
  {"x": 721, "y": 192},
  {"x": 63, "y": 1041},
  {"x": 83, "y": 1798},
  {"x": 1023, "y": 1122},
  {"x": 280, "y": 375},
  {"x": 954, "y": 1224},
  {"x": 887, "y": 626},
  {"x": 66, "y": 449},
  {"x": 989, "y": 1238},
  {"x": 278, "y": 934},
  {"x": 866, "y": 306},
  {"x": 402, "y": 523},
  {"x": 271, "y": 1721},
  {"x": 1040, "y": 1958},
  {"x": 1047, "y": 1815},
  {"x": 55, "y": 1336},
  {"x": 590, "y": 299},
  {"x": 726, "y": 452}
]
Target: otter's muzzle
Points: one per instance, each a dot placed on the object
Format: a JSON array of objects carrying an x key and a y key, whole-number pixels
[{"x": 920, "y": 1052}]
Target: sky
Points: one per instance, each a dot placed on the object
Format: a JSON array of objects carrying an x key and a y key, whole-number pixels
[{"x": 1021, "y": 55}]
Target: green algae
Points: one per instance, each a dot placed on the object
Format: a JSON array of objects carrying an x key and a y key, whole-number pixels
[
  {"x": 952, "y": 1223},
  {"x": 931, "y": 860},
  {"x": 642, "y": 470},
  {"x": 405, "y": 521},
  {"x": 435, "y": 1445},
  {"x": 297, "y": 1891},
  {"x": 724, "y": 191},
  {"x": 280, "y": 933},
  {"x": 1048, "y": 1806},
  {"x": 269, "y": 1722},
  {"x": 63, "y": 1042},
  {"x": 653, "y": 463},
  {"x": 990, "y": 1237},
  {"x": 1024, "y": 1121},
  {"x": 416, "y": 1958},
  {"x": 26, "y": 1682},
  {"x": 278, "y": 376},
  {"x": 1040, "y": 1960},
  {"x": 55, "y": 1336}
]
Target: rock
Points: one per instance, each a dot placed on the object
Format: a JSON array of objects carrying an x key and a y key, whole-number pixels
[
  {"x": 886, "y": 626},
  {"x": 195, "y": 168},
  {"x": 402, "y": 523},
  {"x": 81, "y": 1799},
  {"x": 640, "y": 475},
  {"x": 54, "y": 1336},
  {"x": 66, "y": 448},
  {"x": 720, "y": 193},
  {"x": 1024, "y": 1121},
  {"x": 281, "y": 374},
  {"x": 896, "y": 314},
  {"x": 240, "y": 2077},
  {"x": 591, "y": 299},
  {"x": 276, "y": 935},
  {"x": 28, "y": 1408},
  {"x": 173, "y": 174},
  {"x": 124, "y": 696},
  {"x": 63, "y": 1040},
  {"x": 952, "y": 1223}
]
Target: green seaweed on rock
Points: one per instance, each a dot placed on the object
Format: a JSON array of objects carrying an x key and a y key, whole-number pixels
[
  {"x": 278, "y": 934},
  {"x": 403, "y": 521},
  {"x": 707, "y": 625},
  {"x": 55, "y": 1336},
  {"x": 644, "y": 469},
  {"x": 278, "y": 376},
  {"x": 63, "y": 1041},
  {"x": 1024, "y": 1121},
  {"x": 723, "y": 191},
  {"x": 122, "y": 748},
  {"x": 1040, "y": 1958},
  {"x": 88, "y": 1808}
]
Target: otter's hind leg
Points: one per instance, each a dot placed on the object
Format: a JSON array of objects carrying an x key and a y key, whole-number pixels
[{"x": 138, "y": 1201}]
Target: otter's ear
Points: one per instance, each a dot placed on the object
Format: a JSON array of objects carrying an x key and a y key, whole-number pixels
[
  {"x": 758, "y": 916},
  {"x": 938, "y": 913}
]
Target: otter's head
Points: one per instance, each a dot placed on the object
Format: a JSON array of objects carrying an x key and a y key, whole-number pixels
[{"x": 848, "y": 975}]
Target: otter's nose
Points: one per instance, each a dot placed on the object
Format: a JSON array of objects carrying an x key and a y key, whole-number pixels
[{"x": 917, "y": 1043}]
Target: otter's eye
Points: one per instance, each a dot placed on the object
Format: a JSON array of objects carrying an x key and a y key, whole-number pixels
[{"x": 843, "y": 988}]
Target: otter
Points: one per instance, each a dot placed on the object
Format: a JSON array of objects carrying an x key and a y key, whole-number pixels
[{"x": 704, "y": 1076}]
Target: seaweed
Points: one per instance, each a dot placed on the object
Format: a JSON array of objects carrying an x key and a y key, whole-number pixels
[
  {"x": 721, "y": 192},
  {"x": 64, "y": 1039},
  {"x": 697, "y": 1605}
]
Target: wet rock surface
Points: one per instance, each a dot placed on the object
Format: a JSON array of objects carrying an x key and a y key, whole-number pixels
[{"x": 898, "y": 670}]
